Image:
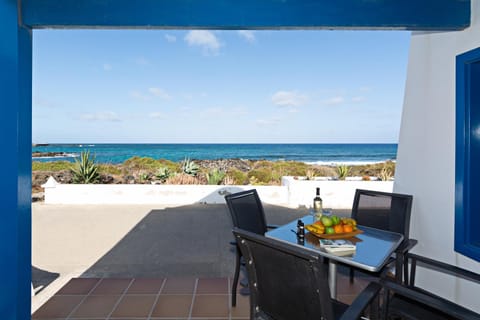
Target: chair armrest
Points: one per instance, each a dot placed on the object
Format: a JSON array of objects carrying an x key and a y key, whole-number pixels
[
  {"x": 430, "y": 300},
  {"x": 355, "y": 310},
  {"x": 272, "y": 226},
  {"x": 444, "y": 267},
  {"x": 406, "y": 246}
]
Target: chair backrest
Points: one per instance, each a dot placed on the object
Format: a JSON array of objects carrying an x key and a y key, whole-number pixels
[
  {"x": 286, "y": 282},
  {"x": 247, "y": 211},
  {"x": 383, "y": 210}
]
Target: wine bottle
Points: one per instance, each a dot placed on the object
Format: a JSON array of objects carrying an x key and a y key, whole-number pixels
[{"x": 317, "y": 203}]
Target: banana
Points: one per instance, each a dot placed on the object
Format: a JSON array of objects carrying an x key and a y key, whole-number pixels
[
  {"x": 315, "y": 228},
  {"x": 350, "y": 221}
]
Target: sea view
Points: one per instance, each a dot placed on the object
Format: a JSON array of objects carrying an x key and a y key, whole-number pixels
[{"x": 352, "y": 154}]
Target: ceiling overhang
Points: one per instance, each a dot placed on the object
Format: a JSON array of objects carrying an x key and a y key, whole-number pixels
[{"x": 248, "y": 14}]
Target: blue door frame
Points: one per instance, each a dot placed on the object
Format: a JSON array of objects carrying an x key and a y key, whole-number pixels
[{"x": 18, "y": 18}]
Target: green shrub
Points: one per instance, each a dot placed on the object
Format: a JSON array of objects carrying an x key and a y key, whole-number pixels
[
  {"x": 262, "y": 176},
  {"x": 239, "y": 177},
  {"x": 146, "y": 163},
  {"x": 85, "y": 170},
  {"x": 109, "y": 169},
  {"x": 51, "y": 166}
]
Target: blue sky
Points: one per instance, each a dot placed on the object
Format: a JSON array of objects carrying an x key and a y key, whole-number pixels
[{"x": 180, "y": 86}]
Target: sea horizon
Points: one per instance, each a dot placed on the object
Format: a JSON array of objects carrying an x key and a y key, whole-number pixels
[{"x": 311, "y": 153}]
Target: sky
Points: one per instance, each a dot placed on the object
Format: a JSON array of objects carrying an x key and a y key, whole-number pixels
[{"x": 207, "y": 86}]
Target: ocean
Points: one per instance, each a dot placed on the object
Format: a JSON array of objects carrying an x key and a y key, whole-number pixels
[{"x": 329, "y": 154}]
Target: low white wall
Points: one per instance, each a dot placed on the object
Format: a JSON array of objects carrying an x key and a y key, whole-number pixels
[
  {"x": 335, "y": 194},
  {"x": 293, "y": 193},
  {"x": 154, "y": 194}
]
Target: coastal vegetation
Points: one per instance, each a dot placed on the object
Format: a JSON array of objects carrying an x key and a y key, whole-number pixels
[{"x": 144, "y": 170}]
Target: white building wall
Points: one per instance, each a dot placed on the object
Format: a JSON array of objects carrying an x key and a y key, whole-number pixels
[{"x": 426, "y": 153}]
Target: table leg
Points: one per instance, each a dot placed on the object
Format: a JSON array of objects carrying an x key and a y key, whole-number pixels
[{"x": 332, "y": 278}]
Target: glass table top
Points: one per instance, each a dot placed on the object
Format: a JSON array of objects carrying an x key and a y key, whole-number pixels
[{"x": 373, "y": 246}]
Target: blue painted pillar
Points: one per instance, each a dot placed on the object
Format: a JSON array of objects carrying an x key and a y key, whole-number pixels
[{"x": 15, "y": 163}]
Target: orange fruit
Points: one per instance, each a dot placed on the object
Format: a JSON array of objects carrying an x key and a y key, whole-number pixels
[
  {"x": 347, "y": 228},
  {"x": 338, "y": 228}
]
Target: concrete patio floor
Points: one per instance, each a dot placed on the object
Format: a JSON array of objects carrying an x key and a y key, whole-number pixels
[{"x": 133, "y": 241}]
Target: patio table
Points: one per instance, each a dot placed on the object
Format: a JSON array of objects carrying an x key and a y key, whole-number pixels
[{"x": 373, "y": 248}]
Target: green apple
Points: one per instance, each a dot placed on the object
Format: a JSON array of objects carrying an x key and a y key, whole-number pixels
[
  {"x": 329, "y": 230},
  {"x": 327, "y": 221},
  {"x": 335, "y": 220}
]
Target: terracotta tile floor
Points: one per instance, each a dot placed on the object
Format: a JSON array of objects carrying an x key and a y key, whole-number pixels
[{"x": 172, "y": 298}]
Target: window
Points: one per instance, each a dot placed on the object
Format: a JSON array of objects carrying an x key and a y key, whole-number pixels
[{"x": 467, "y": 161}]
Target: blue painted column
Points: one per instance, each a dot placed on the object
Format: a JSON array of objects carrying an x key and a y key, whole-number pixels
[{"x": 15, "y": 163}]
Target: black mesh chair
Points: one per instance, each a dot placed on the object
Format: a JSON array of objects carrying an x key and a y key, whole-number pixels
[
  {"x": 247, "y": 213},
  {"x": 289, "y": 282},
  {"x": 386, "y": 211},
  {"x": 415, "y": 303}
]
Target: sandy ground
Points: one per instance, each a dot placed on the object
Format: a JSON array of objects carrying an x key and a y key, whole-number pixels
[{"x": 132, "y": 241}]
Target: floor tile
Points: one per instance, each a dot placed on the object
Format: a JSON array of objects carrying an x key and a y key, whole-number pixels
[
  {"x": 242, "y": 310},
  {"x": 111, "y": 286},
  {"x": 96, "y": 306},
  {"x": 78, "y": 286},
  {"x": 145, "y": 286},
  {"x": 57, "y": 307},
  {"x": 179, "y": 286},
  {"x": 205, "y": 306},
  {"x": 134, "y": 306},
  {"x": 212, "y": 286},
  {"x": 172, "y": 306}
]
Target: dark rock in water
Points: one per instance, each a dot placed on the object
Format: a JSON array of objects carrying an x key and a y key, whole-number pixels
[{"x": 49, "y": 154}]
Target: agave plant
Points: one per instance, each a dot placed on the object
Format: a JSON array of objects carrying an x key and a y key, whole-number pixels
[
  {"x": 85, "y": 169},
  {"x": 215, "y": 176},
  {"x": 163, "y": 174},
  {"x": 189, "y": 167},
  {"x": 342, "y": 171}
]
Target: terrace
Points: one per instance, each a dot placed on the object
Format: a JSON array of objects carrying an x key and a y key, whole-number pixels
[
  {"x": 439, "y": 130},
  {"x": 142, "y": 267}
]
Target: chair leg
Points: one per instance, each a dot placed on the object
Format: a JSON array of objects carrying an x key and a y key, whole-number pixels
[
  {"x": 352, "y": 275},
  {"x": 235, "y": 278}
]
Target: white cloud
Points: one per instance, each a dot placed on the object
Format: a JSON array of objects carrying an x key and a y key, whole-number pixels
[
  {"x": 159, "y": 92},
  {"x": 170, "y": 38},
  {"x": 107, "y": 67},
  {"x": 139, "y": 96},
  {"x": 334, "y": 101},
  {"x": 267, "y": 122},
  {"x": 214, "y": 110},
  {"x": 288, "y": 99},
  {"x": 101, "y": 116},
  {"x": 205, "y": 39},
  {"x": 358, "y": 99},
  {"x": 142, "y": 61},
  {"x": 365, "y": 88},
  {"x": 248, "y": 35},
  {"x": 156, "y": 115}
]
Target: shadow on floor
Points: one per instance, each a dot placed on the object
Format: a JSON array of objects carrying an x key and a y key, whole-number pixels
[
  {"x": 191, "y": 240},
  {"x": 42, "y": 278}
]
